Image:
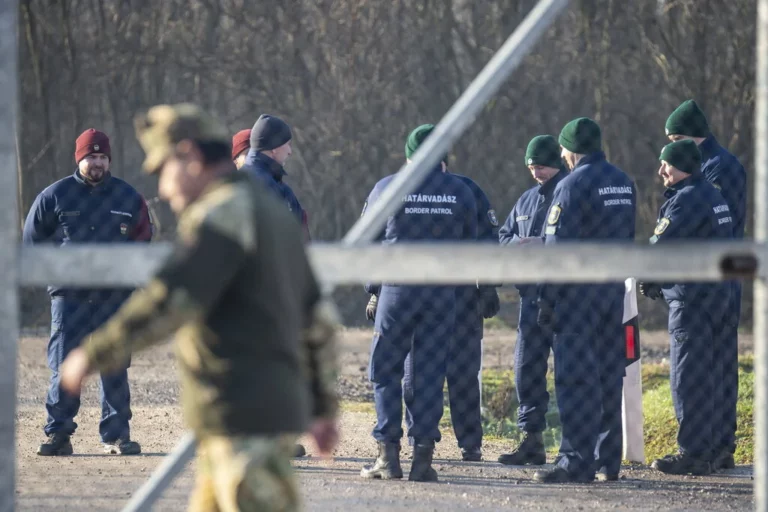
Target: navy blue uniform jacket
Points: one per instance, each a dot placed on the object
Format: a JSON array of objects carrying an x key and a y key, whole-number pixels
[
  {"x": 724, "y": 171},
  {"x": 595, "y": 202},
  {"x": 72, "y": 211},
  {"x": 270, "y": 173},
  {"x": 694, "y": 210},
  {"x": 527, "y": 219},
  {"x": 442, "y": 208}
]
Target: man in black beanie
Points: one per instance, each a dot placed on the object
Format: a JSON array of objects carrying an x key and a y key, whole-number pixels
[
  {"x": 694, "y": 210},
  {"x": 726, "y": 173},
  {"x": 270, "y": 149}
]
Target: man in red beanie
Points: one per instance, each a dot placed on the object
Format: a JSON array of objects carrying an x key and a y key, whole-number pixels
[
  {"x": 89, "y": 206},
  {"x": 241, "y": 143}
]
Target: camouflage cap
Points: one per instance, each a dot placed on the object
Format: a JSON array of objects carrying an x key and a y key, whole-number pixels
[{"x": 163, "y": 126}]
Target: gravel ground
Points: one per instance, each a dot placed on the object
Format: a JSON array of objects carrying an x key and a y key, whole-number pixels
[{"x": 90, "y": 481}]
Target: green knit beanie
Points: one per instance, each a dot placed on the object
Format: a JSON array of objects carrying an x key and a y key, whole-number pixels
[
  {"x": 416, "y": 137},
  {"x": 543, "y": 150},
  {"x": 683, "y": 155},
  {"x": 581, "y": 136},
  {"x": 687, "y": 119}
]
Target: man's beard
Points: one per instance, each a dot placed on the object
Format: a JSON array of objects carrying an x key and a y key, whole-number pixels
[{"x": 95, "y": 175}]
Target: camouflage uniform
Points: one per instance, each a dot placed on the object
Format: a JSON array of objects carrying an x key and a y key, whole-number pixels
[{"x": 250, "y": 322}]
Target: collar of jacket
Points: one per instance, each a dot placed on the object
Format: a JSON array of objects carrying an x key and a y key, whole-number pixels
[
  {"x": 548, "y": 187},
  {"x": 79, "y": 178},
  {"x": 591, "y": 158},
  {"x": 690, "y": 180},
  {"x": 261, "y": 160},
  {"x": 708, "y": 147}
]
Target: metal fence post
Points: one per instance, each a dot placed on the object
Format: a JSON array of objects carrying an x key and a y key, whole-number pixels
[
  {"x": 9, "y": 310},
  {"x": 761, "y": 287}
]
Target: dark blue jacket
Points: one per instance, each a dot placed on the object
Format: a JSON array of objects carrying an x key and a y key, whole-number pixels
[
  {"x": 270, "y": 173},
  {"x": 73, "y": 211},
  {"x": 487, "y": 226},
  {"x": 442, "y": 208},
  {"x": 528, "y": 217},
  {"x": 595, "y": 202},
  {"x": 726, "y": 173},
  {"x": 694, "y": 210}
]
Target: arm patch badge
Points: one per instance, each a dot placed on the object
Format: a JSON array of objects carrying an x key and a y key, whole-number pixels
[
  {"x": 554, "y": 214},
  {"x": 492, "y": 218},
  {"x": 661, "y": 226}
]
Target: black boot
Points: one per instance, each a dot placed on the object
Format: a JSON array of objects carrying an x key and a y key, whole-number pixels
[
  {"x": 57, "y": 444},
  {"x": 421, "y": 467},
  {"x": 387, "y": 465},
  {"x": 471, "y": 454},
  {"x": 723, "y": 460},
  {"x": 682, "y": 464},
  {"x": 531, "y": 451}
]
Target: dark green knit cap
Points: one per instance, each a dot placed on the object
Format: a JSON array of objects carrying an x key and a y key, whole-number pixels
[
  {"x": 687, "y": 119},
  {"x": 543, "y": 150},
  {"x": 581, "y": 136},
  {"x": 416, "y": 138},
  {"x": 683, "y": 155}
]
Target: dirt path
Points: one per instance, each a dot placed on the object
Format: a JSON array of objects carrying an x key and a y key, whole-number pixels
[{"x": 90, "y": 481}]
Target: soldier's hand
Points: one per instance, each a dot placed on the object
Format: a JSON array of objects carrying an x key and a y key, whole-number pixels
[
  {"x": 650, "y": 290},
  {"x": 370, "y": 309},
  {"x": 326, "y": 435},
  {"x": 489, "y": 301},
  {"x": 74, "y": 370},
  {"x": 546, "y": 316}
]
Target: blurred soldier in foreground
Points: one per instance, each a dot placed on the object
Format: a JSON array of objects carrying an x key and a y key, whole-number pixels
[
  {"x": 415, "y": 320},
  {"x": 726, "y": 173},
  {"x": 595, "y": 202},
  {"x": 241, "y": 143},
  {"x": 525, "y": 224},
  {"x": 270, "y": 148},
  {"x": 694, "y": 210},
  {"x": 90, "y": 206},
  {"x": 254, "y": 338}
]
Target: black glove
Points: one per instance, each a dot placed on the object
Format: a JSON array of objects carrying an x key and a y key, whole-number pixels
[
  {"x": 489, "y": 301},
  {"x": 651, "y": 290},
  {"x": 546, "y": 317},
  {"x": 370, "y": 309}
]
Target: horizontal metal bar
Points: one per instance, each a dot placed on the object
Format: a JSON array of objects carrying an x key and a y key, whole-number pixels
[{"x": 120, "y": 265}]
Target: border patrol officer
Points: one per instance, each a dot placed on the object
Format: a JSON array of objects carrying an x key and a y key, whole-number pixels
[
  {"x": 90, "y": 206},
  {"x": 270, "y": 148},
  {"x": 473, "y": 304},
  {"x": 415, "y": 320},
  {"x": 595, "y": 202},
  {"x": 726, "y": 173},
  {"x": 254, "y": 337},
  {"x": 525, "y": 223},
  {"x": 694, "y": 210}
]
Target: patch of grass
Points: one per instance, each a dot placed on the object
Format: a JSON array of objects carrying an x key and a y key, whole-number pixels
[
  {"x": 495, "y": 323},
  {"x": 659, "y": 425}
]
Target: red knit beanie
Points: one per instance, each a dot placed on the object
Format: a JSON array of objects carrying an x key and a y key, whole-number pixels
[
  {"x": 92, "y": 141},
  {"x": 240, "y": 142}
]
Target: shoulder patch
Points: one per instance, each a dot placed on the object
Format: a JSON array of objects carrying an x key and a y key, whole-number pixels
[
  {"x": 492, "y": 217},
  {"x": 661, "y": 226},
  {"x": 227, "y": 210},
  {"x": 554, "y": 214}
]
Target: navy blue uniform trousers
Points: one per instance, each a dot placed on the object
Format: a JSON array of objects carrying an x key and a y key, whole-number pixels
[
  {"x": 692, "y": 375},
  {"x": 726, "y": 358},
  {"x": 415, "y": 321},
  {"x": 589, "y": 368},
  {"x": 71, "y": 322},
  {"x": 531, "y": 355}
]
